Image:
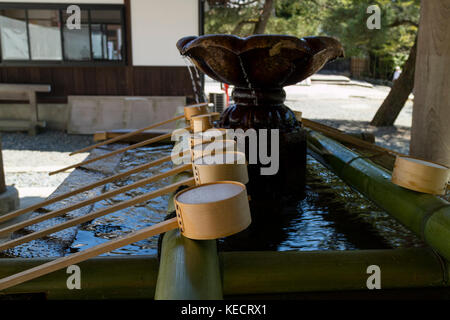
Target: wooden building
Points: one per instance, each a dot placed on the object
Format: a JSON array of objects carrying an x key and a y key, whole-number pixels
[{"x": 121, "y": 48}]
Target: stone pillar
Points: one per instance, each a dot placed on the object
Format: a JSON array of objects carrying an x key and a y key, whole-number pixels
[{"x": 9, "y": 197}]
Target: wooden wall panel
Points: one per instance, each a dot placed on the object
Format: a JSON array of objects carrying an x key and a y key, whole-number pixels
[{"x": 101, "y": 80}]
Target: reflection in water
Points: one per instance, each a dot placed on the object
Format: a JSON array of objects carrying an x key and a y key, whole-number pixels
[
  {"x": 331, "y": 217},
  {"x": 127, "y": 220}
]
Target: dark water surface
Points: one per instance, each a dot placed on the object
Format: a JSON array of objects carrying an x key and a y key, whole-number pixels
[{"x": 331, "y": 217}]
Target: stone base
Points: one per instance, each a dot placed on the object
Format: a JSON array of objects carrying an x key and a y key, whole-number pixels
[{"x": 9, "y": 201}]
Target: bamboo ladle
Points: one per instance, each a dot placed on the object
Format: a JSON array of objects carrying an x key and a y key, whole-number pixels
[
  {"x": 86, "y": 202},
  {"x": 208, "y": 211},
  {"x": 210, "y": 117},
  {"x": 189, "y": 112},
  {"x": 112, "y": 153},
  {"x": 112, "y": 193},
  {"x": 115, "y": 177},
  {"x": 91, "y": 186}
]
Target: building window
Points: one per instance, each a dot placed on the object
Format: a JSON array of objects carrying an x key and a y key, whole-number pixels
[
  {"x": 38, "y": 33},
  {"x": 76, "y": 41},
  {"x": 45, "y": 36},
  {"x": 106, "y": 34},
  {"x": 13, "y": 28}
]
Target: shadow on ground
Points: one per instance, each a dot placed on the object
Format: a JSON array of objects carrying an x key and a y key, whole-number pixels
[
  {"x": 49, "y": 140},
  {"x": 395, "y": 137}
]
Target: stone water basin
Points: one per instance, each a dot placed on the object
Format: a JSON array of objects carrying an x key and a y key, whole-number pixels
[{"x": 331, "y": 217}]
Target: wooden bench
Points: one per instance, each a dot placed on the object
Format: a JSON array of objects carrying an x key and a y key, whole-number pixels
[{"x": 23, "y": 92}]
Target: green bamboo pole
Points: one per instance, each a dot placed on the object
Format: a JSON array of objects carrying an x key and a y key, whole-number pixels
[
  {"x": 313, "y": 271},
  {"x": 426, "y": 215},
  {"x": 189, "y": 269},
  {"x": 125, "y": 277},
  {"x": 243, "y": 273}
]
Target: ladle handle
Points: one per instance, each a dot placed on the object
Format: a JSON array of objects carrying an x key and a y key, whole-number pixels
[
  {"x": 127, "y": 135},
  {"x": 75, "y": 258},
  {"x": 112, "y": 153}
]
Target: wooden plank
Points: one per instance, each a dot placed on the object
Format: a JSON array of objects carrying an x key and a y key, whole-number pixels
[
  {"x": 18, "y": 125},
  {"x": 12, "y": 87},
  {"x": 147, "y": 134},
  {"x": 430, "y": 133},
  {"x": 129, "y": 134}
]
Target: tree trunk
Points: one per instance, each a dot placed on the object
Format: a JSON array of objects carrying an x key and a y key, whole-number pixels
[
  {"x": 260, "y": 26},
  {"x": 430, "y": 134},
  {"x": 397, "y": 97}
]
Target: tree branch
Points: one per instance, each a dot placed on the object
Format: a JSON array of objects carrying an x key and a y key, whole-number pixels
[
  {"x": 403, "y": 22},
  {"x": 242, "y": 23}
]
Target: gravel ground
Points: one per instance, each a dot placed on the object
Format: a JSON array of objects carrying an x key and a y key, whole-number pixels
[
  {"x": 49, "y": 140},
  {"x": 347, "y": 107},
  {"x": 27, "y": 160}
]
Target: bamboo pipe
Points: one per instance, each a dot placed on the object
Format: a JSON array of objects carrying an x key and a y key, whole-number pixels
[
  {"x": 88, "y": 253},
  {"x": 96, "y": 214},
  {"x": 93, "y": 185},
  {"x": 426, "y": 215},
  {"x": 126, "y": 135},
  {"x": 133, "y": 133},
  {"x": 84, "y": 203},
  {"x": 134, "y": 146},
  {"x": 320, "y": 271},
  {"x": 243, "y": 273},
  {"x": 188, "y": 269},
  {"x": 103, "y": 278},
  {"x": 344, "y": 137}
]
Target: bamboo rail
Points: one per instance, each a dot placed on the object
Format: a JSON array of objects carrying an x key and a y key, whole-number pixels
[
  {"x": 96, "y": 250},
  {"x": 344, "y": 137},
  {"x": 309, "y": 271},
  {"x": 88, "y": 253},
  {"x": 84, "y": 203},
  {"x": 241, "y": 273},
  {"x": 426, "y": 215},
  {"x": 102, "y": 278}
]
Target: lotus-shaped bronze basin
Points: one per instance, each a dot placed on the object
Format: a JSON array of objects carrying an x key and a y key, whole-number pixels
[
  {"x": 259, "y": 67},
  {"x": 259, "y": 61}
]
